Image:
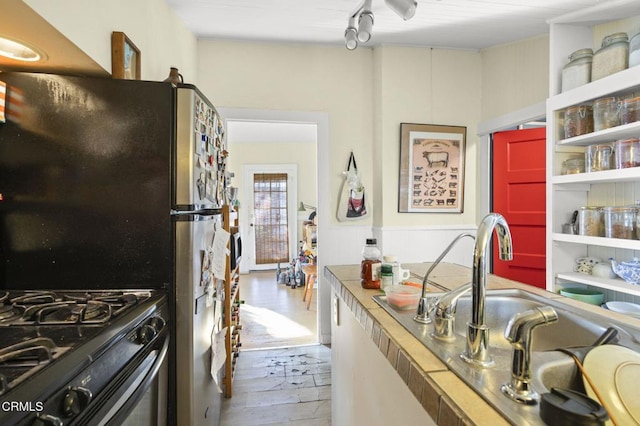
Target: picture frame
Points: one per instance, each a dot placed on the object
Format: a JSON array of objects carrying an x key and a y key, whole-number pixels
[
  {"x": 432, "y": 165},
  {"x": 125, "y": 57}
]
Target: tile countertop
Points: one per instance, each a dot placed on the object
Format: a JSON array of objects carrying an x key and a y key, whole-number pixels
[{"x": 445, "y": 397}]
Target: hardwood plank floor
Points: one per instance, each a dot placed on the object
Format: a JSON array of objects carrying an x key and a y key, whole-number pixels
[
  {"x": 273, "y": 315},
  {"x": 283, "y": 376}
]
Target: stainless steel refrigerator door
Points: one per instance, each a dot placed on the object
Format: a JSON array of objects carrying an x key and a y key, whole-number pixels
[
  {"x": 200, "y": 153},
  {"x": 198, "y": 401}
]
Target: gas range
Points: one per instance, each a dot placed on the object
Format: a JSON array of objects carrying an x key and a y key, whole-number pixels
[{"x": 60, "y": 351}]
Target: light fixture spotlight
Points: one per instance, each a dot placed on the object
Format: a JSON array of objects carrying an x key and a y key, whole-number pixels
[
  {"x": 404, "y": 8},
  {"x": 365, "y": 25},
  {"x": 351, "y": 38},
  {"x": 363, "y": 15}
]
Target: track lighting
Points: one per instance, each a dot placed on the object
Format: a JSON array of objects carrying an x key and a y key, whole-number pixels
[
  {"x": 404, "y": 8},
  {"x": 364, "y": 17}
]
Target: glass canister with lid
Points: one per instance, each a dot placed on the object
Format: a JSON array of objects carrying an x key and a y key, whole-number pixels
[
  {"x": 606, "y": 113},
  {"x": 627, "y": 153},
  {"x": 634, "y": 51},
  {"x": 598, "y": 157},
  {"x": 630, "y": 110},
  {"x": 619, "y": 222},
  {"x": 612, "y": 57},
  {"x": 578, "y": 71},
  {"x": 590, "y": 221},
  {"x": 578, "y": 120},
  {"x": 572, "y": 166}
]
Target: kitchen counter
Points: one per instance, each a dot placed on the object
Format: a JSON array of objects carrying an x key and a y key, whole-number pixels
[{"x": 445, "y": 398}]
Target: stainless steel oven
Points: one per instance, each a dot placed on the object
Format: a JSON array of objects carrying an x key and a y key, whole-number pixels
[{"x": 73, "y": 357}]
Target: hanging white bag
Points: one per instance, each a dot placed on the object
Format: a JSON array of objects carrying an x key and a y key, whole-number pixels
[{"x": 352, "y": 204}]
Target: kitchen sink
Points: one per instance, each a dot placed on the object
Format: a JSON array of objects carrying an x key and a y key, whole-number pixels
[{"x": 551, "y": 368}]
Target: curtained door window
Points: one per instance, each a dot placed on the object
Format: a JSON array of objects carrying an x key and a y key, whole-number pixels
[{"x": 270, "y": 218}]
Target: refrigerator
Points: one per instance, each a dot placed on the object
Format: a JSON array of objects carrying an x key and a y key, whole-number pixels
[{"x": 118, "y": 184}]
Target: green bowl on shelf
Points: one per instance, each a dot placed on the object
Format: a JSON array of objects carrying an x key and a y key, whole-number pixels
[{"x": 593, "y": 297}]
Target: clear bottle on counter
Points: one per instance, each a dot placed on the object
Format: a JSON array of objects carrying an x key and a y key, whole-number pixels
[
  {"x": 619, "y": 222},
  {"x": 630, "y": 110},
  {"x": 370, "y": 265},
  {"x": 395, "y": 266},
  {"x": 627, "y": 153},
  {"x": 578, "y": 71},
  {"x": 578, "y": 120},
  {"x": 606, "y": 113},
  {"x": 590, "y": 221},
  {"x": 386, "y": 275},
  {"x": 612, "y": 57}
]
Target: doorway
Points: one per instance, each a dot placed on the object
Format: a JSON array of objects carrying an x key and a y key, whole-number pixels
[
  {"x": 271, "y": 231},
  {"x": 519, "y": 194},
  {"x": 274, "y": 315}
]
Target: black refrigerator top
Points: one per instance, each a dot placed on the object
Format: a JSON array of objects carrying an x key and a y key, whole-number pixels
[{"x": 85, "y": 183}]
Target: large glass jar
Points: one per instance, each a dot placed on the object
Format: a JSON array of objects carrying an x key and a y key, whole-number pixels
[
  {"x": 606, "y": 113},
  {"x": 572, "y": 166},
  {"x": 619, "y": 222},
  {"x": 590, "y": 221},
  {"x": 612, "y": 57},
  {"x": 634, "y": 51},
  {"x": 598, "y": 157},
  {"x": 578, "y": 71},
  {"x": 627, "y": 153},
  {"x": 578, "y": 120},
  {"x": 630, "y": 110}
]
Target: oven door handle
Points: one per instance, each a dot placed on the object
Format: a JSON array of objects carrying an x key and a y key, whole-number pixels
[{"x": 127, "y": 402}]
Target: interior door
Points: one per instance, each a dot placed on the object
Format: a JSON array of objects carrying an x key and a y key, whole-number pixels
[
  {"x": 272, "y": 216},
  {"x": 519, "y": 194}
]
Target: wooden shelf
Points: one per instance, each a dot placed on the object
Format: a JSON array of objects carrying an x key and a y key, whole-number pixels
[{"x": 232, "y": 298}]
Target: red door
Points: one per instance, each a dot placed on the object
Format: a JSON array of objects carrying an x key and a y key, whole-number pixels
[{"x": 519, "y": 194}]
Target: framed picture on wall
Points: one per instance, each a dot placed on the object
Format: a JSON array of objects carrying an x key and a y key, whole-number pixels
[
  {"x": 431, "y": 168},
  {"x": 125, "y": 57}
]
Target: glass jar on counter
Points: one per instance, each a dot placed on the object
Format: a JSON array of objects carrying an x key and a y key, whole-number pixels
[
  {"x": 627, "y": 153},
  {"x": 606, "y": 113},
  {"x": 590, "y": 221},
  {"x": 630, "y": 110},
  {"x": 619, "y": 222},
  {"x": 572, "y": 166},
  {"x": 612, "y": 57},
  {"x": 634, "y": 51},
  {"x": 578, "y": 71},
  {"x": 578, "y": 120},
  {"x": 598, "y": 157}
]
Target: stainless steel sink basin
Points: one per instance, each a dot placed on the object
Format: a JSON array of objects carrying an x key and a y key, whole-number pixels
[
  {"x": 570, "y": 330},
  {"x": 551, "y": 368}
]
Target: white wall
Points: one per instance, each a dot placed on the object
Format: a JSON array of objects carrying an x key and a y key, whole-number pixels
[{"x": 162, "y": 38}]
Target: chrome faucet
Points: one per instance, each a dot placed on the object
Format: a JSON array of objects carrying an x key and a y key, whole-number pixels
[
  {"x": 422, "y": 313},
  {"x": 519, "y": 334},
  {"x": 444, "y": 314},
  {"x": 477, "y": 350}
]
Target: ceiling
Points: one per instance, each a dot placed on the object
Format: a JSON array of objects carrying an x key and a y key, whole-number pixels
[{"x": 458, "y": 24}]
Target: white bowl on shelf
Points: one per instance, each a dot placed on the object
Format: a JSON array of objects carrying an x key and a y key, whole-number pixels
[{"x": 626, "y": 308}]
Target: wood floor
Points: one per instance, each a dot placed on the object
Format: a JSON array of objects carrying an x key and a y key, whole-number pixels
[
  {"x": 283, "y": 376},
  {"x": 273, "y": 315}
]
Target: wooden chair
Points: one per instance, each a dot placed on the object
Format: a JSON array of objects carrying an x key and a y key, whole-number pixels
[{"x": 310, "y": 273}]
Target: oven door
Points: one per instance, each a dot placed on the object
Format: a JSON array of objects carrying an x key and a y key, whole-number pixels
[{"x": 138, "y": 395}]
